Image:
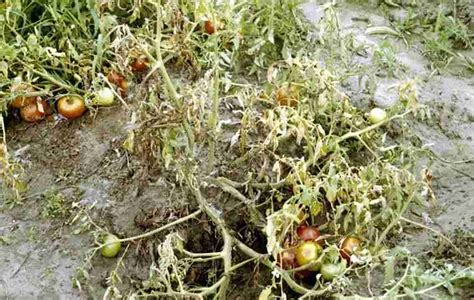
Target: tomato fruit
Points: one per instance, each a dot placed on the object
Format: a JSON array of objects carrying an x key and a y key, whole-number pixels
[
  {"x": 287, "y": 96},
  {"x": 71, "y": 107},
  {"x": 139, "y": 65},
  {"x": 348, "y": 246},
  {"x": 287, "y": 259},
  {"x": 308, "y": 252},
  {"x": 34, "y": 112},
  {"x": 330, "y": 271},
  {"x": 118, "y": 80},
  {"x": 104, "y": 97},
  {"x": 307, "y": 233},
  {"x": 211, "y": 28},
  {"x": 377, "y": 115},
  {"x": 21, "y": 101},
  {"x": 112, "y": 249}
]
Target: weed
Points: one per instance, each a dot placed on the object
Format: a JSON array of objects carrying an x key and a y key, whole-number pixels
[
  {"x": 55, "y": 205},
  {"x": 385, "y": 58}
]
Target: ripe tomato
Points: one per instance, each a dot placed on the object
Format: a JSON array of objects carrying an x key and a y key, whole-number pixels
[
  {"x": 112, "y": 249},
  {"x": 139, "y": 65},
  {"x": 307, "y": 233},
  {"x": 32, "y": 112},
  {"x": 308, "y": 252},
  {"x": 117, "y": 79},
  {"x": 377, "y": 115},
  {"x": 348, "y": 245},
  {"x": 330, "y": 271},
  {"x": 21, "y": 101},
  {"x": 287, "y": 96},
  {"x": 71, "y": 107},
  {"x": 210, "y": 27},
  {"x": 287, "y": 258}
]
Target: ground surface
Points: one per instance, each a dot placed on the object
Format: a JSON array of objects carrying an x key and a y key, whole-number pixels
[{"x": 84, "y": 159}]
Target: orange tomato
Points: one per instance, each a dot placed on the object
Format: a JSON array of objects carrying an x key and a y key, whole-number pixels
[
  {"x": 35, "y": 111},
  {"x": 71, "y": 107},
  {"x": 348, "y": 245},
  {"x": 287, "y": 96}
]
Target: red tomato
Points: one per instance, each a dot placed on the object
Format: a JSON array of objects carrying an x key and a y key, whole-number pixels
[
  {"x": 71, "y": 107},
  {"x": 307, "y": 233},
  {"x": 139, "y": 65},
  {"x": 348, "y": 245},
  {"x": 209, "y": 27}
]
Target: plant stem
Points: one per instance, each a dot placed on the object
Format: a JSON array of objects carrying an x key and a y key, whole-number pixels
[
  {"x": 370, "y": 128},
  {"x": 155, "y": 231}
]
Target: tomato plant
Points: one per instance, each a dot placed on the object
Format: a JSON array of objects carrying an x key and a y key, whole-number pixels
[
  {"x": 308, "y": 252},
  {"x": 112, "y": 249},
  {"x": 71, "y": 107}
]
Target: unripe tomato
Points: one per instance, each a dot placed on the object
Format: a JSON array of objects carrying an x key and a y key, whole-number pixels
[
  {"x": 348, "y": 245},
  {"x": 71, "y": 107},
  {"x": 287, "y": 259},
  {"x": 139, "y": 65},
  {"x": 104, "y": 97},
  {"x": 34, "y": 112},
  {"x": 377, "y": 115},
  {"x": 330, "y": 271},
  {"x": 307, "y": 233},
  {"x": 112, "y": 249},
  {"x": 308, "y": 252}
]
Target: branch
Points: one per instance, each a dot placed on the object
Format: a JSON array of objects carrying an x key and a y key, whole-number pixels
[
  {"x": 155, "y": 231},
  {"x": 370, "y": 128}
]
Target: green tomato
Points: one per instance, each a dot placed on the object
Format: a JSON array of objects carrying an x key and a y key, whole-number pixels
[
  {"x": 104, "y": 97},
  {"x": 377, "y": 115},
  {"x": 111, "y": 250},
  {"x": 330, "y": 271}
]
